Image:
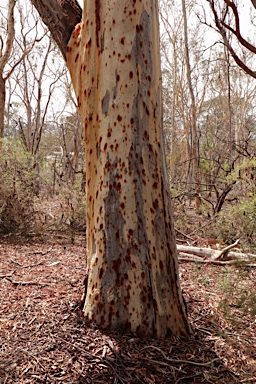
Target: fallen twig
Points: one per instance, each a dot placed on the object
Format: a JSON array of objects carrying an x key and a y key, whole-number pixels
[
  {"x": 39, "y": 252},
  {"x": 5, "y": 276},
  {"x": 26, "y": 266},
  {"x": 182, "y": 361},
  {"x": 25, "y": 282}
]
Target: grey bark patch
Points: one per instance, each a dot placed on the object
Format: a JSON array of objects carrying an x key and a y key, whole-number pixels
[{"x": 105, "y": 103}]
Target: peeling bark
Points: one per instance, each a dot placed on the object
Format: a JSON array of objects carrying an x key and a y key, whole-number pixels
[{"x": 114, "y": 61}]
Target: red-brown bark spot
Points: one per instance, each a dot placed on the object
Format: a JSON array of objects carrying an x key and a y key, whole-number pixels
[
  {"x": 101, "y": 226},
  {"x": 96, "y": 261},
  {"x": 155, "y": 204},
  {"x": 128, "y": 256},
  {"x": 143, "y": 275},
  {"x": 131, "y": 74},
  {"x": 105, "y": 146},
  {"x": 146, "y": 108},
  {"x": 161, "y": 265},
  {"x": 155, "y": 185},
  {"x": 133, "y": 265},
  {"x": 76, "y": 57},
  {"x": 122, "y": 40},
  {"x": 119, "y": 118},
  {"x": 101, "y": 273}
]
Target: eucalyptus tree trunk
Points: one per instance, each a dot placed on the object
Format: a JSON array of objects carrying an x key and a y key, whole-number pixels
[{"x": 132, "y": 269}]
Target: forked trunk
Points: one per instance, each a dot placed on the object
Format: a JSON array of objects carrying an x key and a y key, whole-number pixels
[{"x": 114, "y": 60}]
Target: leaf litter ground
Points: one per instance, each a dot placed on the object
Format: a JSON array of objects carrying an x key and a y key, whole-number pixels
[{"x": 44, "y": 338}]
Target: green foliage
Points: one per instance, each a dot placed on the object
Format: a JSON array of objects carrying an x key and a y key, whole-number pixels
[
  {"x": 235, "y": 293},
  {"x": 239, "y": 221},
  {"x": 16, "y": 187}
]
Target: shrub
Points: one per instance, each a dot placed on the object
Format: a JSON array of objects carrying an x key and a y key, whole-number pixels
[
  {"x": 16, "y": 187},
  {"x": 239, "y": 222}
]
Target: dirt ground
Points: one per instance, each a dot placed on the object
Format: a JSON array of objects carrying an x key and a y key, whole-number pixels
[{"x": 44, "y": 338}]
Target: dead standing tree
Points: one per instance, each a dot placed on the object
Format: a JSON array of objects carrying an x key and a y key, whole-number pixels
[{"x": 114, "y": 60}]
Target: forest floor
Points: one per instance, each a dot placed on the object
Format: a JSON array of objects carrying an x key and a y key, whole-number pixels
[{"x": 44, "y": 338}]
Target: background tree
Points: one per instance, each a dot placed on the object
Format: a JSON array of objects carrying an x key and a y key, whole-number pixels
[{"x": 5, "y": 53}]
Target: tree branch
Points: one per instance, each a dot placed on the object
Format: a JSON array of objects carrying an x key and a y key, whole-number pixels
[
  {"x": 221, "y": 28},
  {"x": 61, "y": 17},
  {"x": 237, "y": 31}
]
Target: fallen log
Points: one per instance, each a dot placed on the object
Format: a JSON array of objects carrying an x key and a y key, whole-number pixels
[
  {"x": 214, "y": 254},
  {"x": 188, "y": 257}
]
